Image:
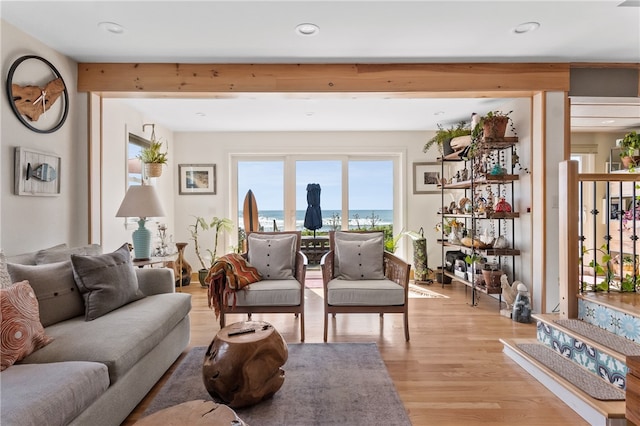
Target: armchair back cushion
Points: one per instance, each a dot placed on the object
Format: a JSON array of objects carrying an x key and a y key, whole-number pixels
[
  {"x": 359, "y": 256},
  {"x": 272, "y": 255}
]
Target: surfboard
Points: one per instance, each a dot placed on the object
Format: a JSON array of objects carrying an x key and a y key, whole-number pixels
[{"x": 250, "y": 213}]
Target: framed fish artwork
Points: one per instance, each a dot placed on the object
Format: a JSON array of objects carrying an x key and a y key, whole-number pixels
[{"x": 37, "y": 173}]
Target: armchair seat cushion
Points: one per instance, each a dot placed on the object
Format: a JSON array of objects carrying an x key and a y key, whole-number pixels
[
  {"x": 269, "y": 293},
  {"x": 364, "y": 293}
]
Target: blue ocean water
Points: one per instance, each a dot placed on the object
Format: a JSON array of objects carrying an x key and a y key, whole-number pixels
[{"x": 363, "y": 218}]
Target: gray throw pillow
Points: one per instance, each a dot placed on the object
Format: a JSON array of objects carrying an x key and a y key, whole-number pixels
[
  {"x": 60, "y": 254},
  {"x": 273, "y": 255},
  {"x": 351, "y": 236},
  {"x": 58, "y": 296},
  {"x": 5, "y": 279},
  {"x": 107, "y": 281},
  {"x": 361, "y": 259}
]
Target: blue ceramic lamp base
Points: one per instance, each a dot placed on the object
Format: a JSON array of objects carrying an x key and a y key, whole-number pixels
[{"x": 142, "y": 241}]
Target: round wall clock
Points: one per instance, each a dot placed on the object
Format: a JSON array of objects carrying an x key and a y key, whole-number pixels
[{"x": 37, "y": 94}]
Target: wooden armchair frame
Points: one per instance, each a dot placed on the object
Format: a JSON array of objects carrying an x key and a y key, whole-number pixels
[
  {"x": 395, "y": 269},
  {"x": 300, "y": 270}
]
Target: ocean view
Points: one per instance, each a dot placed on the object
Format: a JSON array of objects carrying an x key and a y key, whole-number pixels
[{"x": 330, "y": 219}]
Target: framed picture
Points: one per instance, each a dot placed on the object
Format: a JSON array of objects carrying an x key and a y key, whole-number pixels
[
  {"x": 426, "y": 178},
  {"x": 37, "y": 173},
  {"x": 197, "y": 178},
  {"x": 612, "y": 167}
]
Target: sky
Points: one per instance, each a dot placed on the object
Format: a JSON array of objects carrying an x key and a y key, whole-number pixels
[{"x": 370, "y": 183}]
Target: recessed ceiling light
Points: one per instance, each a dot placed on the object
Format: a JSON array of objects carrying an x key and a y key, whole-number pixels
[
  {"x": 438, "y": 113},
  {"x": 111, "y": 27},
  {"x": 526, "y": 27},
  {"x": 307, "y": 29},
  {"x": 608, "y": 121},
  {"x": 310, "y": 114},
  {"x": 201, "y": 114}
]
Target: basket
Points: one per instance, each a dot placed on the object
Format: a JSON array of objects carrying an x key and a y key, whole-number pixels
[
  {"x": 492, "y": 278},
  {"x": 152, "y": 169}
]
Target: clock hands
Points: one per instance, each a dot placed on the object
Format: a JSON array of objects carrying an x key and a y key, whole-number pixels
[{"x": 43, "y": 99}]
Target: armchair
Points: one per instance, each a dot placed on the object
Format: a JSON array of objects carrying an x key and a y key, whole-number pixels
[
  {"x": 360, "y": 277},
  {"x": 277, "y": 257}
]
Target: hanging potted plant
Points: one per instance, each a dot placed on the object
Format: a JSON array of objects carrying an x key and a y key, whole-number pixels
[
  {"x": 153, "y": 159},
  {"x": 218, "y": 225},
  {"x": 629, "y": 146}
]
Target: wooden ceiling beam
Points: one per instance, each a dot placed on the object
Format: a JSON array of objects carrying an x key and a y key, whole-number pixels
[{"x": 316, "y": 78}]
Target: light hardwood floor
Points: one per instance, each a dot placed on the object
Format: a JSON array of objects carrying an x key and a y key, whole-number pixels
[{"x": 452, "y": 372}]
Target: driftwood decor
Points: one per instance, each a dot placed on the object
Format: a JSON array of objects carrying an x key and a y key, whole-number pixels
[{"x": 33, "y": 101}]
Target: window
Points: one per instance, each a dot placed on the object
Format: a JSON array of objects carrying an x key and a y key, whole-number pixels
[{"x": 359, "y": 198}]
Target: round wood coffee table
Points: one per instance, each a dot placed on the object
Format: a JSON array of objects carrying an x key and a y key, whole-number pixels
[
  {"x": 242, "y": 363},
  {"x": 193, "y": 413}
]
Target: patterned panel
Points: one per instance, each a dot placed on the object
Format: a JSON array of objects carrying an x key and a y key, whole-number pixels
[
  {"x": 597, "y": 362},
  {"x": 610, "y": 319}
]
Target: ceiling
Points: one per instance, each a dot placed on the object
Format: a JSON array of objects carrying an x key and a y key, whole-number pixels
[{"x": 348, "y": 32}]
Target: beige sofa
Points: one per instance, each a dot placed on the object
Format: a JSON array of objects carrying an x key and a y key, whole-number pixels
[{"x": 96, "y": 371}]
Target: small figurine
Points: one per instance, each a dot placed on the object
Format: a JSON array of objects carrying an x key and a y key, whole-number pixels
[
  {"x": 497, "y": 170},
  {"x": 502, "y": 206}
]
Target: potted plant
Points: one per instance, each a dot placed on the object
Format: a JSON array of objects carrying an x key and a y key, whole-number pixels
[
  {"x": 444, "y": 135},
  {"x": 218, "y": 225},
  {"x": 494, "y": 124},
  {"x": 153, "y": 159},
  {"x": 629, "y": 146},
  {"x": 474, "y": 262}
]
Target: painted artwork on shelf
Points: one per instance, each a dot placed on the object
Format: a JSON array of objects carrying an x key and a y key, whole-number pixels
[{"x": 37, "y": 173}]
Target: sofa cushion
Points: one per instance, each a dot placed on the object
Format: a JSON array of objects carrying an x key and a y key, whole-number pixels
[
  {"x": 273, "y": 256},
  {"x": 5, "y": 278},
  {"x": 50, "y": 394},
  {"x": 361, "y": 258},
  {"x": 21, "y": 332},
  {"x": 118, "y": 339},
  {"x": 365, "y": 292},
  {"x": 107, "y": 281},
  {"x": 30, "y": 258},
  {"x": 60, "y": 254},
  {"x": 268, "y": 293},
  {"x": 58, "y": 296}
]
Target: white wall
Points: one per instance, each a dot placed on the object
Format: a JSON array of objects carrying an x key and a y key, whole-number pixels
[
  {"x": 119, "y": 120},
  {"x": 27, "y": 222}
]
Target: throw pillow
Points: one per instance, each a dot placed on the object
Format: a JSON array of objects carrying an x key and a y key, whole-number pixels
[
  {"x": 273, "y": 255},
  {"x": 5, "y": 279},
  {"x": 361, "y": 260},
  {"x": 58, "y": 296},
  {"x": 60, "y": 254},
  {"x": 21, "y": 332},
  {"x": 351, "y": 236},
  {"x": 107, "y": 281}
]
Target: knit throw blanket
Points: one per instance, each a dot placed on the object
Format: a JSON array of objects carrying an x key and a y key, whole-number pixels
[{"x": 227, "y": 275}]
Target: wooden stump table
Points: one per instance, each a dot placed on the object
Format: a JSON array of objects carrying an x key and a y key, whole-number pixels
[
  {"x": 242, "y": 363},
  {"x": 193, "y": 413}
]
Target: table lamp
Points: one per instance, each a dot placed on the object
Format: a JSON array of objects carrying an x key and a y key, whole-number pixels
[{"x": 141, "y": 201}]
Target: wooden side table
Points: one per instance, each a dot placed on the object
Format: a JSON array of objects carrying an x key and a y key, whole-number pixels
[
  {"x": 193, "y": 413},
  {"x": 243, "y": 369}
]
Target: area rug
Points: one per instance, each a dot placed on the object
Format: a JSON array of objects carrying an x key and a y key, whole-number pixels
[
  {"x": 325, "y": 384},
  {"x": 419, "y": 292},
  {"x": 415, "y": 292}
]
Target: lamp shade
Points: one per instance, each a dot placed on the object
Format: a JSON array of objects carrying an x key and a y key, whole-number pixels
[{"x": 141, "y": 201}]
